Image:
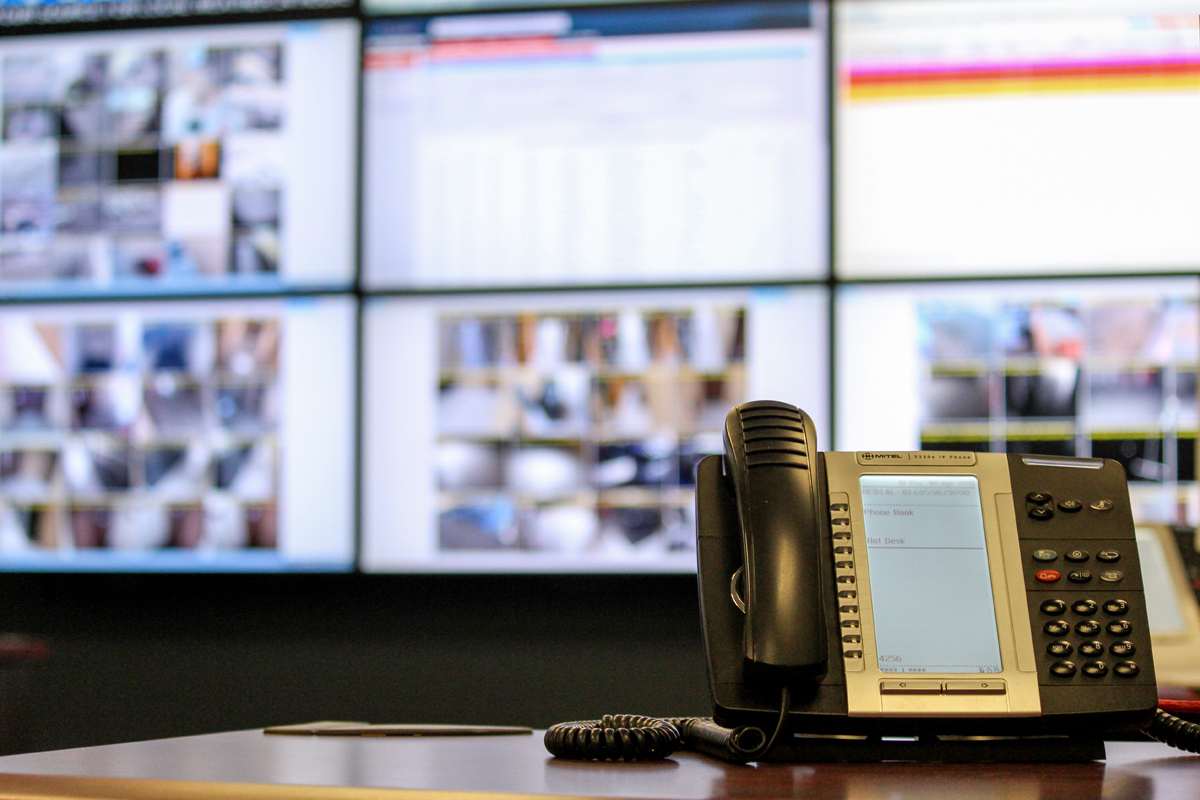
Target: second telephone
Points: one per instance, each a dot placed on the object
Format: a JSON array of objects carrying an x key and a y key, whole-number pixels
[{"x": 911, "y": 593}]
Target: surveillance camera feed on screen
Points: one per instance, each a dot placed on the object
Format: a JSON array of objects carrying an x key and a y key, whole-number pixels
[
  {"x": 162, "y": 435},
  {"x": 183, "y": 159},
  {"x": 989, "y": 137},
  {"x": 652, "y": 143},
  {"x": 1102, "y": 368},
  {"x": 51, "y": 13},
  {"x": 564, "y": 432}
]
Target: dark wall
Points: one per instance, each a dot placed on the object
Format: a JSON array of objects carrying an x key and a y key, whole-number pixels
[{"x": 138, "y": 657}]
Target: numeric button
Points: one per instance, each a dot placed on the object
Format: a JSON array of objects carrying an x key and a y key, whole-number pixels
[
  {"x": 1054, "y": 607},
  {"x": 1095, "y": 669},
  {"x": 1057, "y": 627},
  {"x": 1120, "y": 627},
  {"x": 1092, "y": 648},
  {"x": 1089, "y": 627},
  {"x": 1123, "y": 648},
  {"x": 1116, "y": 607},
  {"x": 1059, "y": 648},
  {"x": 1063, "y": 669},
  {"x": 1085, "y": 608}
]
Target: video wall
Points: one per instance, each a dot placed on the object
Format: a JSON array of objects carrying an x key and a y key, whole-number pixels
[{"x": 469, "y": 285}]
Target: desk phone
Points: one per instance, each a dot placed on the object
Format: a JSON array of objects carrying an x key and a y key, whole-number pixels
[{"x": 924, "y": 594}]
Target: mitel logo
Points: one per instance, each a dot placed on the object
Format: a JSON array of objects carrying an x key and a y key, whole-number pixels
[{"x": 881, "y": 457}]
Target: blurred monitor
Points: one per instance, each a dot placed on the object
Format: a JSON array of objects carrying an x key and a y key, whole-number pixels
[
  {"x": 178, "y": 160},
  {"x": 560, "y": 432},
  {"x": 1098, "y": 367},
  {"x": 50, "y": 13},
  {"x": 1171, "y": 607},
  {"x": 653, "y": 144},
  {"x": 1016, "y": 137},
  {"x": 177, "y": 435},
  {"x": 387, "y": 7}
]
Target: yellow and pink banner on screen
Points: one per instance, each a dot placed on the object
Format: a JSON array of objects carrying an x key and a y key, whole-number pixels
[{"x": 909, "y": 82}]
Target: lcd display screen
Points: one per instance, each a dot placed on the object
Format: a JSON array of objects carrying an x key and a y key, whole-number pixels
[{"x": 930, "y": 587}]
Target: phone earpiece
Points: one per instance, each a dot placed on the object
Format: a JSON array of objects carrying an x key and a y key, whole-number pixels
[{"x": 770, "y": 459}]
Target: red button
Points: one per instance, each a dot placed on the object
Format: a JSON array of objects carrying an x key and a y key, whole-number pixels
[{"x": 1048, "y": 576}]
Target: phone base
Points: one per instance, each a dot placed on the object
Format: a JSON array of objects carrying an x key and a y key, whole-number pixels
[{"x": 957, "y": 750}]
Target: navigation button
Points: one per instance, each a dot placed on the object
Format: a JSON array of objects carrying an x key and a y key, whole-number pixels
[
  {"x": 976, "y": 687},
  {"x": 910, "y": 687},
  {"x": 1041, "y": 512},
  {"x": 1039, "y": 498}
]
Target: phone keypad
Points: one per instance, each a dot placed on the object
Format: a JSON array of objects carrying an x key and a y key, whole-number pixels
[
  {"x": 845, "y": 580},
  {"x": 1101, "y": 629}
]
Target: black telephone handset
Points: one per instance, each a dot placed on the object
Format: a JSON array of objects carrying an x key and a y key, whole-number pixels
[{"x": 770, "y": 461}]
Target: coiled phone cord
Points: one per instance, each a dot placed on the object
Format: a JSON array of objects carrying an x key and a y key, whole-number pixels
[
  {"x": 626, "y": 737},
  {"x": 1171, "y": 726},
  {"x": 632, "y": 738}
]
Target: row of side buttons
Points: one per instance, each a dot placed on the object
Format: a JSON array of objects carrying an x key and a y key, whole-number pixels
[{"x": 849, "y": 624}]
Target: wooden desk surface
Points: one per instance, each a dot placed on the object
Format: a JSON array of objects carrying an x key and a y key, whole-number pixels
[{"x": 247, "y": 764}]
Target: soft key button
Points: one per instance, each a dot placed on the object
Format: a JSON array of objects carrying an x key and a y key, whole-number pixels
[
  {"x": 976, "y": 687},
  {"x": 910, "y": 687}
]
